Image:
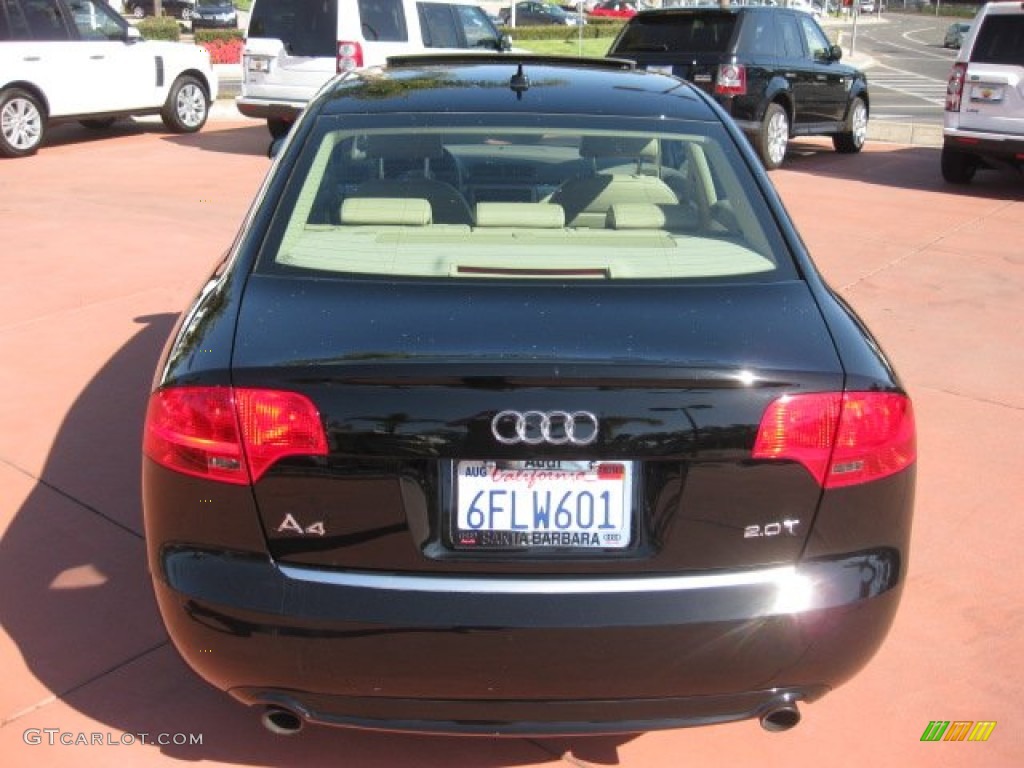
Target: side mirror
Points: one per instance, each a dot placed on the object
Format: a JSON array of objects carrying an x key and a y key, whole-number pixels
[
  {"x": 835, "y": 53},
  {"x": 504, "y": 43},
  {"x": 132, "y": 35}
]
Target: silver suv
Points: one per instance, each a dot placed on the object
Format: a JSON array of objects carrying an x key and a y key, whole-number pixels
[{"x": 984, "y": 118}]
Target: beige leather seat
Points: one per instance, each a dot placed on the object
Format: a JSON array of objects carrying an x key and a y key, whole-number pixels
[
  {"x": 586, "y": 200},
  {"x": 447, "y": 205}
]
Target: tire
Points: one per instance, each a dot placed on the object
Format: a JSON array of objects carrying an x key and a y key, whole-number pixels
[
  {"x": 773, "y": 139},
  {"x": 187, "y": 106},
  {"x": 97, "y": 124},
  {"x": 852, "y": 140},
  {"x": 138, "y": 12},
  {"x": 22, "y": 123},
  {"x": 278, "y": 128},
  {"x": 958, "y": 167},
  {"x": 186, "y": 14}
]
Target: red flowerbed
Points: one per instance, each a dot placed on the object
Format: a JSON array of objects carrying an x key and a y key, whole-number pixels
[{"x": 224, "y": 51}]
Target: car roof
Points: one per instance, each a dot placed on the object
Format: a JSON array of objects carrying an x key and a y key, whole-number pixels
[{"x": 512, "y": 83}]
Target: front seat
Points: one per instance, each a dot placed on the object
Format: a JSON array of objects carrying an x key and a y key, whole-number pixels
[
  {"x": 447, "y": 204},
  {"x": 586, "y": 199}
]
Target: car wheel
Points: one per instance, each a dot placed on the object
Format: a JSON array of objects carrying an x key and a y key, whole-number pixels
[
  {"x": 186, "y": 14},
  {"x": 278, "y": 128},
  {"x": 187, "y": 106},
  {"x": 97, "y": 124},
  {"x": 958, "y": 167},
  {"x": 138, "y": 12},
  {"x": 22, "y": 123},
  {"x": 852, "y": 140},
  {"x": 774, "y": 137}
]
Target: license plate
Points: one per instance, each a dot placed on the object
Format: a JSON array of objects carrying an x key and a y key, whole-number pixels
[
  {"x": 259, "y": 64},
  {"x": 986, "y": 93},
  {"x": 543, "y": 504}
]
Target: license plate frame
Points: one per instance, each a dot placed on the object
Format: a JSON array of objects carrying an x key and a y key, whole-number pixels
[{"x": 542, "y": 505}]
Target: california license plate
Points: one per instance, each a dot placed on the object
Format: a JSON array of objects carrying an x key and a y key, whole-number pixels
[{"x": 543, "y": 504}]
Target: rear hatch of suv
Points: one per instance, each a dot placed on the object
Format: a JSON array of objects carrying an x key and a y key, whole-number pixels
[
  {"x": 690, "y": 44},
  {"x": 993, "y": 89}
]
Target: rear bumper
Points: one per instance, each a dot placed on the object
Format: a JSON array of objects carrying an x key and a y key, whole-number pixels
[
  {"x": 269, "y": 109},
  {"x": 1001, "y": 147},
  {"x": 525, "y": 656}
]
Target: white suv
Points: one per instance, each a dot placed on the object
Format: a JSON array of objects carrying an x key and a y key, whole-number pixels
[
  {"x": 293, "y": 47},
  {"x": 984, "y": 118},
  {"x": 66, "y": 60}
]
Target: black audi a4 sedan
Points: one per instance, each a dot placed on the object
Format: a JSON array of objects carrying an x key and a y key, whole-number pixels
[{"x": 518, "y": 406}]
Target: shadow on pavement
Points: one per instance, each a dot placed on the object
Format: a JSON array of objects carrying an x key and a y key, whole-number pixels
[
  {"x": 78, "y": 604},
  {"x": 897, "y": 166}
]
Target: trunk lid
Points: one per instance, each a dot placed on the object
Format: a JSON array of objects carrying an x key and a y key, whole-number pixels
[{"x": 409, "y": 377}]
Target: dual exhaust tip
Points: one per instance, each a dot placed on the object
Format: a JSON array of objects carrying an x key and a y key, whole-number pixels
[{"x": 285, "y": 722}]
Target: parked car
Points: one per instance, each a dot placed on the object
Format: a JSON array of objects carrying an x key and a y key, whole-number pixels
[
  {"x": 179, "y": 9},
  {"x": 613, "y": 9},
  {"x": 293, "y": 47},
  {"x": 516, "y": 416},
  {"x": 983, "y": 123},
  {"x": 534, "y": 13},
  {"x": 772, "y": 69},
  {"x": 214, "y": 14},
  {"x": 68, "y": 60},
  {"x": 955, "y": 34}
]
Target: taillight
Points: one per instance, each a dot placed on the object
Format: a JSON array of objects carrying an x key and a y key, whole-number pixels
[
  {"x": 841, "y": 438},
  {"x": 350, "y": 56},
  {"x": 731, "y": 80},
  {"x": 955, "y": 87},
  {"x": 230, "y": 435}
]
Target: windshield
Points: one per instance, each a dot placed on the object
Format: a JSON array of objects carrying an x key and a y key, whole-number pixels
[{"x": 515, "y": 202}]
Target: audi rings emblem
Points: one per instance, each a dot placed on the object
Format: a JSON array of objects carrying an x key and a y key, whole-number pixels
[{"x": 552, "y": 427}]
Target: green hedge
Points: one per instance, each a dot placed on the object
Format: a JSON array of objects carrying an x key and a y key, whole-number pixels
[
  {"x": 552, "y": 32},
  {"x": 209, "y": 35},
  {"x": 164, "y": 28}
]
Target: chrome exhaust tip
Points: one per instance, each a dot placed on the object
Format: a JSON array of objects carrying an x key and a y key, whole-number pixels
[
  {"x": 781, "y": 717},
  {"x": 281, "y": 721}
]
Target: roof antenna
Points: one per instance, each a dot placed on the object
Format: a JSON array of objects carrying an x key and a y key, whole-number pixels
[{"x": 519, "y": 82}]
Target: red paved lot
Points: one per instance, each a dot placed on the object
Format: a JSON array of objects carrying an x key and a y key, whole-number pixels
[{"x": 105, "y": 238}]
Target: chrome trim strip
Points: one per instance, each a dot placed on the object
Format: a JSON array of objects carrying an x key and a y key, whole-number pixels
[{"x": 778, "y": 576}]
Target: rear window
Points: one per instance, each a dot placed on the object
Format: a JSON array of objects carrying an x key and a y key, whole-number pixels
[
  {"x": 708, "y": 33},
  {"x": 525, "y": 203},
  {"x": 305, "y": 27},
  {"x": 1000, "y": 41}
]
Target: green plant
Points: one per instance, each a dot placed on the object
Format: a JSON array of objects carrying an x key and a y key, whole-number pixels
[
  {"x": 163, "y": 28},
  {"x": 203, "y": 36},
  {"x": 595, "y": 47}
]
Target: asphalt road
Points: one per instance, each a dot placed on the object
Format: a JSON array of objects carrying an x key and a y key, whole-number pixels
[
  {"x": 106, "y": 236},
  {"x": 907, "y": 66}
]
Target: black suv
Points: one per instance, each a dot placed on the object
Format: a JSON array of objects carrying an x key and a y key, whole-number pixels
[{"x": 772, "y": 69}]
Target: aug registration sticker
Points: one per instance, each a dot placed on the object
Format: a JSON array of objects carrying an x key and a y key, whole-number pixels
[{"x": 543, "y": 504}]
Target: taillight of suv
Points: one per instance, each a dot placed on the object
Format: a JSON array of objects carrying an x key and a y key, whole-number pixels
[
  {"x": 350, "y": 56},
  {"x": 731, "y": 80},
  {"x": 955, "y": 87}
]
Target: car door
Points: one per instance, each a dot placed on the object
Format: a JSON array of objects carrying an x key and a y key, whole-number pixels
[
  {"x": 794, "y": 66},
  {"x": 123, "y": 74},
  {"x": 831, "y": 81}
]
